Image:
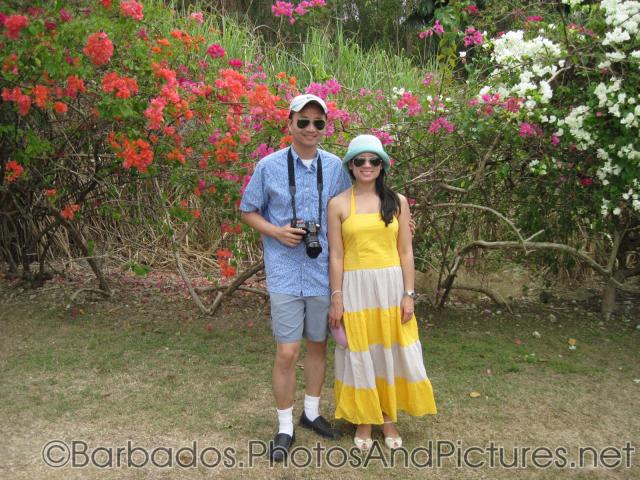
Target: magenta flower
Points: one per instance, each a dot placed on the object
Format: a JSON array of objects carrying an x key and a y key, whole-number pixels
[
  {"x": 439, "y": 124},
  {"x": 216, "y": 51},
  {"x": 282, "y": 9},
  {"x": 235, "y": 63},
  {"x": 555, "y": 140},
  {"x": 472, "y": 37},
  {"x": 437, "y": 28},
  {"x": 586, "y": 181},
  {"x": 64, "y": 15},
  {"x": 384, "y": 136},
  {"x": 428, "y": 78},
  {"x": 262, "y": 151},
  {"x": 529, "y": 130},
  {"x": 131, "y": 8},
  {"x": 410, "y": 101},
  {"x": 471, "y": 9},
  {"x": 534, "y": 18},
  {"x": 513, "y": 104},
  {"x": 197, "y": 16}
]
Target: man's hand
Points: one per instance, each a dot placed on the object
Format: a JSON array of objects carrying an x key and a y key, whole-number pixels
[
  {"x": 412, "y": 226},
  {"x": 289, "y": 236}
]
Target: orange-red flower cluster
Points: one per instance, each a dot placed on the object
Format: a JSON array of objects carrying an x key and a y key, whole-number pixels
[
  {"x": 263, "y": 104},
  {"x": 14, "y": 25},
  {"x": 189, "y": 41},
  {"x": 224, "y": 255},
  {"x": 228, "y": 228},
  {"x": 60, "y": 107},
  {"x": 15, "y": 95},
  {"x": 13, "y": 171},
  {"x": 233, "y": 85},
  {"x": 69, "y": 211},
  {"x": 135, "y": 154},
  {"x": 40, "y": 95},
  {"x": 99, "y": 48},
  {"x": 124, "y": 87},
  {"x": 154, "y": 113},
  {"x": 226, "y": 150},
  {"x": 131, "y": 8},
  {"x": 74, "y": 85}
]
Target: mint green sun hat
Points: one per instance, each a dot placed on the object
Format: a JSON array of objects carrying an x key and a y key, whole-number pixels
[{"x": 365, "y": 144}]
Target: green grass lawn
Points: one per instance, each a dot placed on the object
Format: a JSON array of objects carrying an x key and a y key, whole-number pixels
[{"x": 108, "y": 372}]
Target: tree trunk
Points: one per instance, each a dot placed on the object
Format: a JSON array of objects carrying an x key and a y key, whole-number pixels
[
  {"x": 609, "y": 305},
  {"x": 616, "y": 266}
]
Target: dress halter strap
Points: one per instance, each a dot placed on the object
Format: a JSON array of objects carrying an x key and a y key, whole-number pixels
[{"x": 353, "y": 202}]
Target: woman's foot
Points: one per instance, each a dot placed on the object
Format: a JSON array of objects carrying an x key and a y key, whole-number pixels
[
  {"x": 362, "y": 439},
  {"x": 392, "y": 437}
]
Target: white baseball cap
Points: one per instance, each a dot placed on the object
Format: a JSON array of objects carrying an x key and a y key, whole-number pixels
[{"x": 299, "y": 102}]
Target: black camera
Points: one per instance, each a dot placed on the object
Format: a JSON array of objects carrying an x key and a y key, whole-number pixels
[{"x": 311, "y": 240}]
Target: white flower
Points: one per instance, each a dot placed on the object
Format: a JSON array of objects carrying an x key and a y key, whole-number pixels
[
  {"x": 601, "y": 93},
  {"x": 463, "y": 54},
  {"x": 617, "y": 211},
  {"x": 615, "y": 56},
  {"x": 605, "y": 64},
  {"x": 617, "y": 35},
  {"x": 629, "y": 120},
  {"x": 546, "y": 91}
]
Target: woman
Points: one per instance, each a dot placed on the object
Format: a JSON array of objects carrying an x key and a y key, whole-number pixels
[{"x": 381, "y": 370}]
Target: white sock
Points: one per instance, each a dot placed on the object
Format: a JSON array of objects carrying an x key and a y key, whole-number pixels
[
  {"x": 285, "y": 417},
  {"x": 311, "y": 407}
]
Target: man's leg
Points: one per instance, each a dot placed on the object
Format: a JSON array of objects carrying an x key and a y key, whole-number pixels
[
  {"x": 284, "y": 374},
  {"x": 315, "y": 332},
  {"x": 287, "y": 321},
  {"x": 314, "y": 367}
]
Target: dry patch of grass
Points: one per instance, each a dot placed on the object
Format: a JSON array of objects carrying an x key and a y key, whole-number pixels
[{"x": 150, "y": 372}]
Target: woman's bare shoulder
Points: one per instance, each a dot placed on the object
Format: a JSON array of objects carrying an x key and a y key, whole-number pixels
[{"x": 341, "y": 201}]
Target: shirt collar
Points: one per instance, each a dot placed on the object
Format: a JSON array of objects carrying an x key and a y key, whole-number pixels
[{"x": 296, "y": 157}]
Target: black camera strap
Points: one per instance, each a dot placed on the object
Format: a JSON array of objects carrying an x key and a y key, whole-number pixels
[{"x": 292, "y": 185}]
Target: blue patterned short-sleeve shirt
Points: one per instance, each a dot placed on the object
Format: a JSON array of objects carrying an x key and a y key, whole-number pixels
[{"x": 289, "y": 270}]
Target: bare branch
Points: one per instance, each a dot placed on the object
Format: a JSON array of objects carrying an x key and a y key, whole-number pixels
[
  {"x": 487, "y": 209},
  {"x": 493, "y": 295}
]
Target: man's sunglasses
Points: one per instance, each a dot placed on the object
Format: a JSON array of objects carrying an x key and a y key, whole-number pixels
[
  {"x": 374, "y": 162},
  {"x": 304, "y": 123}
]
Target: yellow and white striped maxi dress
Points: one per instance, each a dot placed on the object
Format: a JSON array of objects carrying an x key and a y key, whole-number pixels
[{"x": 382, "y": 369}]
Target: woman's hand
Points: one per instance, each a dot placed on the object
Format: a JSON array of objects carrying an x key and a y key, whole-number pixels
[
  {"x": 406, "y": 308},
  {"x": 335, "y": 311}
]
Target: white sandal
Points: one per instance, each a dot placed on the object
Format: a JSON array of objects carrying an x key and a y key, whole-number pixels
[
  {"x": 363, "y": 444},
  {"x": 393, "y": 443}
]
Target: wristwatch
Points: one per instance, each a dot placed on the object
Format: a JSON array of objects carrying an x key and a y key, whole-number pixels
[{"x": 410, "y": 293}]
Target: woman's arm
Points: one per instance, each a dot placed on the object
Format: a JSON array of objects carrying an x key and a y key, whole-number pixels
[
  {"x": 336, "y": 261},
  {"x": 405, "y": 251}
]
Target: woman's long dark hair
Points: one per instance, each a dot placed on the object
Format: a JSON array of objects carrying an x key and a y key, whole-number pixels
[{"x": 389, "y": 200}]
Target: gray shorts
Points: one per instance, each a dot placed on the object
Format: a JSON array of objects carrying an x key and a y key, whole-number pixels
[{"x": 293, "y": 317}]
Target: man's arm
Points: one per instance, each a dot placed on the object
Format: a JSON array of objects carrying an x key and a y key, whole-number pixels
[{"x": 287, "y": 235}]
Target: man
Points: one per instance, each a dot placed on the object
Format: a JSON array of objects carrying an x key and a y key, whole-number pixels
[{"x": 298, "y": 283}]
